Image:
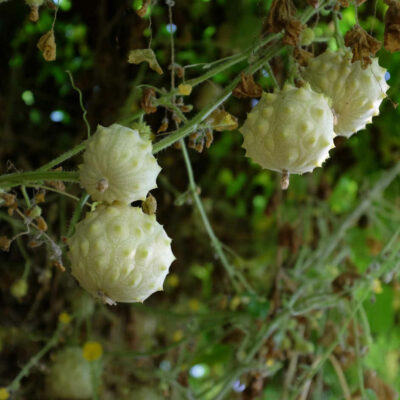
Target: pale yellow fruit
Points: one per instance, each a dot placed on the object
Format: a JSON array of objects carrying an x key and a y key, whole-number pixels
[
  {"x": 118, "y": 165},
  {"x": 120, "y": 254},
  {"x": 69, "y": 376},
  {"x": 356, "y": 93},
  {"x": 289, "y": 130}
]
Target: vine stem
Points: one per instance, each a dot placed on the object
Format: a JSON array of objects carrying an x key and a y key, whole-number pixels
[
  {"x": 34, "y": 360},
  {"x": 25, "y": 178},
  {"x": 214, "y": 240}
]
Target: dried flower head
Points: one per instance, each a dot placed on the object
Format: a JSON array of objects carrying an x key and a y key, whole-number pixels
[{"x": 47, "y": 45}]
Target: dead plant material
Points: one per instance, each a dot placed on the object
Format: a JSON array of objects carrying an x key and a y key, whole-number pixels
[
  {"x": 145, "y": 55},
  {"x": 47, "y": 45},
  {"x": 149, "y": 94},
  {"x": 362, "y": 45},
  {"x": 292, "y": 32},
  {"x": 302, "y": 56},
  {"x": 9, "y": 199},
  {"x": 282, "y": 17},
  {"x": 209, "y": 138},
  {"x": 392, "y": 26},
  {"x": 164, "y": 125},
  {"x": 58, "y": 185},
  {"x": 41, "y": 224},
  {"x": 247, "y": 88},
  {"x": 149, "y": 206},
  {"x": 221, "y": 120},
  {"x": 5, "y": 243},
  {"x": 34, "y": 14},
  {"x": 143, "y": 10}
]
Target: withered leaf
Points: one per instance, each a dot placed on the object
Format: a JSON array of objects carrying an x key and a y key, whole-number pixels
[
  {"x": 392, "y": 26},
  {"x": 145, "y": 55},
  {"x": 280, "y": 13},
  {"x": 292, "y": 32},
  {"x": 142, "y": 10},
  {"x": 147, "y": 100},
  {"x": 221, "y": 120},
  {"x": 5, "y": 243},
  {"x": 47, "y": 45},
  {"x": 247, "y": 88},
  {"x": 302, "y": 56},
  {"x": 362, "y": 44},
  {"x": 282, "y": 16}
]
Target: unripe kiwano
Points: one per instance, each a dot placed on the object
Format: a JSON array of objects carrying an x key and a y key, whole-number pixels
[
  {"x": 69, "y": 376},
  {"x": 289, "y": 130},
  {"x": 356, "y": 93},
  {"x": 120, "y": 254},
  {"x": 118, "y": 165}
]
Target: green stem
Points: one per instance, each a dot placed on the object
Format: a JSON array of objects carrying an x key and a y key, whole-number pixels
[
  {"x": 22, "y": 178},
  {"x": 338, "y": 35},
  {"x": 26, "y": 197},
  {"x": 196, "y": 120},
  {"x": 77, "y": 149},
  {"x": 34, "y": 360},
  {"x": 77, "y": 213},
  {"x": 214, "y": 240}
]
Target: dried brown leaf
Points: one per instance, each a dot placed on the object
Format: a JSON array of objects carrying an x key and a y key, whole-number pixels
[
  {"x": 362, "y": 44},
  {"x": 280, "y": 13},
  {"x": 292, "y": 32},
  {"x": 383, "y": 390},
  {"x": 47, "y": 45},
  {"x": 145, "y": 55},
  {"x": 5, "y": 243},
  {"x": 247, "y": 88},
  {"x": 41, "y": 224},
  {"x": 142, "y": 10},
  {"x": 392, "y": 26},
  {"x": 9, "y": 199},
  {"x": 221, "y": 120},
  {"x": 164, "y": 125},
  {"x": 147, "y": 100},
  {"x": 302, "y": 56}
]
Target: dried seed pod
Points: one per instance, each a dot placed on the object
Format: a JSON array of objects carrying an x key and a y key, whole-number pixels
[
  {"x": 356, "y": 93},
  {"x": 69, "y": 375},
  {"x": 118, "y": 165},
  {"x": 289, "y": 131},
  {"x": 120, "y": 254}
]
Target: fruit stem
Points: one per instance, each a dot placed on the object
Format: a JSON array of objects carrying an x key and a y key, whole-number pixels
[{"x": 285, "y": 180}]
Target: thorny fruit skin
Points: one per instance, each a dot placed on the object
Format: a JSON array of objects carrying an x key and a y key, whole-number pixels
[
  {"x": 356, "y": 93},
  {"x": 120, "y": 254},
  {"x": 69, "y": 376},
  {"x": 118, "y": 165},
  {"x": 289, "y": 130}
]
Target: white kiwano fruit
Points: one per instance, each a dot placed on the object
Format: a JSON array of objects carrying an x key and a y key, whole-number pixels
[
  {"x": 356, "y": 93},
  {"x": 118, "y": 165},
  {"x": 120, "y": 254},
  {"x": 290, "y": 131},
  {"x": 69, "y": 376}
]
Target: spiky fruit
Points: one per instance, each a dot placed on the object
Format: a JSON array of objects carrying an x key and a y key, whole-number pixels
[
  {"x": 118, "y": 165},
  {"x": 69, "y": 376},
  {"x": 120, "y": 254},
  {"x": 356, "y": 93},
  {"x": 289, "y": 131}
]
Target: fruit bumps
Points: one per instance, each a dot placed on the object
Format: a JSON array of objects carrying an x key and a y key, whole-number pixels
[
  {"x": 120, "y": 254},
  {"x": 118, "y": 165},
  {"x": 356, "y": 93},
  {"x": 289, "y": 131}
]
